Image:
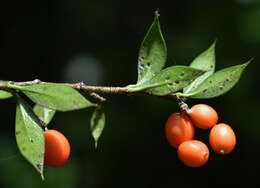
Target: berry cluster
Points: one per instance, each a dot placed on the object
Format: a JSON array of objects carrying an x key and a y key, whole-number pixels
[{"x": 180, "y": 133}]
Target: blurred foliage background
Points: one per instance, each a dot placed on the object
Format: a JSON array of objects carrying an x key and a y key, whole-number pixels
[{"x": 97, "y": 41}]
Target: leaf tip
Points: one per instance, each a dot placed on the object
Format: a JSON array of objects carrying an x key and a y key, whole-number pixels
[
  {"x": 247, "y": 63},
  {"x": 250, "y": 60},
  {"x": 215, "y": 41},
  {"x": 156, "y": 13},
  {"x": 213, "y": 45},
  {"x": 42, "y": 176}
]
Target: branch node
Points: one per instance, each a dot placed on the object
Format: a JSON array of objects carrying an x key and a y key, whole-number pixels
[
  {"x": 81, "y": 85},
  {"x": 37, "y": 81},
  {"x": 11, "y": 83},
  {"x": 98, "y": 97},
  {"x": 157, "y": 12},
  {"x": 183, "y": 106}
]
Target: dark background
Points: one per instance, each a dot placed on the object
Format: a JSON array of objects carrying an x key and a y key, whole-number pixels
[{"x": 97, "y": 42}]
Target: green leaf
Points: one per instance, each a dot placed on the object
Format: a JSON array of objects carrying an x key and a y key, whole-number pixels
[
  {"x": 54, "y": 96},
  {"x": 168, "y": 80},
  {"x": 205, "y": 61},
  {"x": 97, "y": 124},
  {"x": 29, "y": 135},
  {"x": 4, "y": 94},
  {"x": 45, "y": 114},
  {"x": 218, "y": 83},
  {"x": 152, "y": 53}
]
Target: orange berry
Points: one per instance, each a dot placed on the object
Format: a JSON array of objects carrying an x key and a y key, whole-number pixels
[
  {"x": 203, "y": 116},
  {"x": 57, "y": 149},
  {"x": 193, "y": 153},
  {"x": 178, "y": 129},
  {"x": 222, "y": 138}
]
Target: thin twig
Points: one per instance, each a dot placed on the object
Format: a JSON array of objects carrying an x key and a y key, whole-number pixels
[{"x": 92, "y": 91}]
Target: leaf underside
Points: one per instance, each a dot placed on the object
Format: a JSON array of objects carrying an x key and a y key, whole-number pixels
[
  {"x": 168, "y": 81},
  {"x": 45, "y": 114},
  {"x": 205, "y": 61},
  {"x": 218, "y": 83},
  {"x": 97, "y": 124},
  {"x": 29, "y": 135},
  {"x": 55, "y": 96},
  {"x": 152, "y": 53}
]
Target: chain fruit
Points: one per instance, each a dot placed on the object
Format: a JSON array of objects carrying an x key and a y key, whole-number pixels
[
  {"x": 193, "y": 153},
  {"x": 57, "y": 149},
  {"x": 179, "y": 128},
  {"x": 222, "y": 138},
  {"x": 203, "y": 116}
]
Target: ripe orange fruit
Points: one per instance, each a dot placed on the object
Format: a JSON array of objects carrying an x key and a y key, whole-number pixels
[
  {"x": 57, "y": 149},
  {"x": 203, "y": 116},
  {"x": 222, "y": 138},
  {"x": 178, "y": 129},
  {"x": 193, "y": 153}
]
